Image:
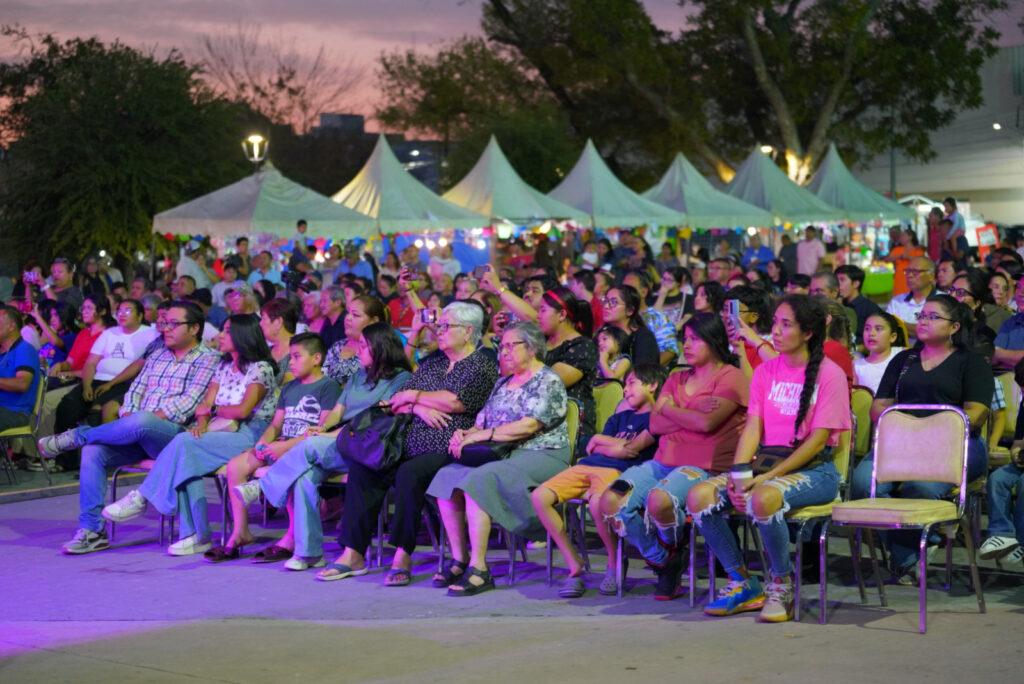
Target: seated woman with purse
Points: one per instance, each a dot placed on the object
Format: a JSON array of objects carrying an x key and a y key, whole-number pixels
[
  {"x": 443, "y": 396},
  {"x": 518, "y": 442},
  {"x": 799, "y": 404},
  {"x": 302, "y": 464},
  {"x": 235, "y": 411}
]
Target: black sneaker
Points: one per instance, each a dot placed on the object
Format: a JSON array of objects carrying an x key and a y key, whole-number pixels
[{"x": 669, "y": 579}]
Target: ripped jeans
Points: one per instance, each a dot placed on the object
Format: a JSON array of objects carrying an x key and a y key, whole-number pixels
[
  {"x": 633, "y": 524},
  {"x": 811, "y": 487}
]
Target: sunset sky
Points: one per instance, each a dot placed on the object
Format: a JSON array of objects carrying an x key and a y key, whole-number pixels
[{"x": 360, "y": 29}]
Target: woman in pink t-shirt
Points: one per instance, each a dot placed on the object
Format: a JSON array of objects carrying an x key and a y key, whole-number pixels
[
  {"x": 799, "y": 403},
  {"x": 699, "y": 415}
]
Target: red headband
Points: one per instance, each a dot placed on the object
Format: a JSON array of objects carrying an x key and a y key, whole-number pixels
[{"x": 568, "y": 312}]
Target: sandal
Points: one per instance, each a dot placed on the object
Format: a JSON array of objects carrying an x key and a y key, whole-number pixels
[
  {"x": 397, "y": 577},
  {"x": 464, "y": 587},
  {"x": 610, "y": 584},
  {"x": 338, "y": 571},
  {"x": 272, "y": 554},
  {"x": 445, "y": 579},
  {"x": 219, "y": 554},
  {"x": 573, "y": 587}
]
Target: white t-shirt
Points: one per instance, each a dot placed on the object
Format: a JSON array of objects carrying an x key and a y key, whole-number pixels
[
  {"x": 118, "y": 350},
  {"x": 870, "y": 374}
]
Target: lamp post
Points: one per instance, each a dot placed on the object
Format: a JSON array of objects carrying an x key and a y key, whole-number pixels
[{"x": 255, "y": 148}]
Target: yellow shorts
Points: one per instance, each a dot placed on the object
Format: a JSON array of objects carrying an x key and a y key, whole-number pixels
[{"x": 582, "y": 479}]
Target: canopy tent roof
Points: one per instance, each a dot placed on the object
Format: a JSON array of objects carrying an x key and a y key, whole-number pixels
[
  {"x": 265, "y": 202},
  {"x": 684, "y": 189},
  {"x": 592, "y": 188},
  {"x": 761, "y": 183},
  {"x": 834, "y": 184},
  {"x": 384, "y": 190},
  {"x": 493, "y": 188}
]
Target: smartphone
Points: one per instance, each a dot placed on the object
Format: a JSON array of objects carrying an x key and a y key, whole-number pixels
[
  {"x": 428, "y": 316},
  {"x": 734, "y": 312},
  {"x": 25, "y": 307},
  {"x": 480, "y": 271}
]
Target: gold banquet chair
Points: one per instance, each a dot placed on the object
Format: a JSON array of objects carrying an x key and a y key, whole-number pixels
[
  {"x": 908, "y": 448},
  {"x": 29, "y": 430}
]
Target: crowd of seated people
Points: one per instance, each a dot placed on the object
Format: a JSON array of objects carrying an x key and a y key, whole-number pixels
[{"x": 717, "y": 362}]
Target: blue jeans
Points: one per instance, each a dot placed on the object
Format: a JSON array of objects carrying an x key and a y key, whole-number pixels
[
  {"x": 300, "y": 471},
  {"x": 175, "y": 484},
  {"x": 811, "y": 487},
  {"x": 633, "y": 523},
  {"x": 1006, "y": 516},
  {"x": 904, "y": 545},
  {"x": 124, "y": 441}
]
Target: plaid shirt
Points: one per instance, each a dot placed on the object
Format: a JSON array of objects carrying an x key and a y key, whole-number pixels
[{"x": 170, "y": 385}]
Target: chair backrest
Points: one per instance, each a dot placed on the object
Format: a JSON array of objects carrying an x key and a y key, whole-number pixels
[
  {"x": 932, "y": 448},
  {"x": 572, "y": 423},
  {"x": 37, "y": 408},
  {"x": 860, "y": 404},
  {"x": 606, "y": 397},
  {"x": 1013, "y": 395}
]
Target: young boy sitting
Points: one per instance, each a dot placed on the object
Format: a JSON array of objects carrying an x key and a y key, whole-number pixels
[
  {"x": 305, "y": 403},
  {"x": 625, "y": 442}
]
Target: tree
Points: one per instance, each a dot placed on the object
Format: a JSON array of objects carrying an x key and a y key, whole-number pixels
[
  {"x": 468, "y": 90},
  {"x": 797, "y": 74},
  {"x": 275, "y": 79},
  {"x": 102, "y": 137}
]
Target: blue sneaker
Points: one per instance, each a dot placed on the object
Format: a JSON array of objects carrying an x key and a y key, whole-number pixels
[{"x": 738, "y": 596}]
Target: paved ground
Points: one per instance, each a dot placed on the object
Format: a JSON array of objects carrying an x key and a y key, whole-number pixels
[{"x": 136, "y": 614}]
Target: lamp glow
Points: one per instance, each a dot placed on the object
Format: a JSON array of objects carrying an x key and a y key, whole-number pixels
[
  {"x": 997, "y": 126},
  {"x": 419, "y": 243},
  {"x": 767, "y": 149}
]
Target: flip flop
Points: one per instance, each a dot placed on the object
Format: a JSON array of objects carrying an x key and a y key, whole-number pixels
[
  {"x": 342, "y": 571},
  {"x": 219, "y": 554},
  {"x": 272, "y": 554},
  {"x": 397, "y": 577}
]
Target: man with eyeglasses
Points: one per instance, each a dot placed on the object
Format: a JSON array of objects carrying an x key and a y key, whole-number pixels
[
  {"x": 161, "y": 401},
  {"x": 921, "y": 279},
  {"x": 1009, "y": 340},
  {"x": 719, "y": 270},
  {"x": 62, "y": 288}
]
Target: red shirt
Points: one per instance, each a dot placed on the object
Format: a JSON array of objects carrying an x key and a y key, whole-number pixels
[
  {"x": 840, "y": 355},
  {"x": 401, "y": 313},
  {"x": 598, "y": 311},
  {"x": 81, "y": 347}
]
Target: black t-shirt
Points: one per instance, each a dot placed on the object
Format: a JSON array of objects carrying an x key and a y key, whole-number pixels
[
  {"x": 642, "y": 347},
  {"x": 333, "y": 332},
  {"x": 962, "y": 377},
  {"x": 580, "y": 353}
]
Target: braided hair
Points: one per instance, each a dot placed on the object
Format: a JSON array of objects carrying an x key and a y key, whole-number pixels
[{"x": 810, "y": 317}]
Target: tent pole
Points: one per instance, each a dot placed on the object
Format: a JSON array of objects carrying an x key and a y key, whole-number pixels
[{"x": 152, "y": 259}]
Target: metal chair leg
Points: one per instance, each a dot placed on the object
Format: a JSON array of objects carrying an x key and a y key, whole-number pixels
[
  {"x": 874, "y": 567},
  {"x": 858, "y": 576},
  {"x": 798, "y": 580},
  {"x": 550, "y": 560},
  {"x": 972, "y": 557},
  {"x": 620, "y": 576},
  {"x": 581, "y": 519},
  {"x": 693, "y": 565},
  {"x": 823, "y": 573},
  {"x": 922, "y": 578}
]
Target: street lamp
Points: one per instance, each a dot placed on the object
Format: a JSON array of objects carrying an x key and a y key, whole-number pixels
[{"x": 255, "y": 148}]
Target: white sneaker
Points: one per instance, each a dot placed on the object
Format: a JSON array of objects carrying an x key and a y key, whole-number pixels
[
  {"x": 778, "y": 602},
  {"x": 1016, "y": 556},
  {"x": 249, "y": 491},
  {"x": 86, "y": 541},
  {"x": 300, "y": 563},
  {"x": 188, "y": 546},
  {"x": 54, "y": 445},
  {"x": 129, "y": 506},
  {"x": 997, "y": 547}
]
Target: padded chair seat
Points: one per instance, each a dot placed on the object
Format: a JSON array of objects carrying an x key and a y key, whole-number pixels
[
  {"x": 808, "y": 512},
  {"x": 894, "y": 511},
  {"x": 998, "y": 456}
]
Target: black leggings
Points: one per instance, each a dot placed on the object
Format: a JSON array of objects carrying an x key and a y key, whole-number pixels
[
  {"x": 73, "y": 408},
  {"x": 364, "y": 496}
]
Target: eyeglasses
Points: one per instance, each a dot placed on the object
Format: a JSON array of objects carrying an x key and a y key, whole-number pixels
[
  {"x": 169, "y": 325},
  {"x": 445, "y": 327},
  {"x": 610, "y": 303},
  {"x": 931, "y": 318},
  {"x": 960, "y": 292},
  {"x": 502, "y": 348},
  {"x": 916, "y": 271}
]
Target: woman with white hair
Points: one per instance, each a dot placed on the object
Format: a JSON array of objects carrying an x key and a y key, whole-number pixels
[
  {"x": 444, "y": 395},
  {"x": 527, "y": 408}
]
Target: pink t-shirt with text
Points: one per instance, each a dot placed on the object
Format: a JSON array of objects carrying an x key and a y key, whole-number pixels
[{"x": 775, "y": 399}]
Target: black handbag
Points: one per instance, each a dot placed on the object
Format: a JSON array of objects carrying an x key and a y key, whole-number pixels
[
  {"x": 374, "y": 438},
  {"x": 481, "y": 453},
  {"x": 770, "y": 456}
]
